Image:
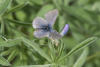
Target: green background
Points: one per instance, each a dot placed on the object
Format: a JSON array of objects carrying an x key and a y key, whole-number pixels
[{"x": 19, "y": 48}]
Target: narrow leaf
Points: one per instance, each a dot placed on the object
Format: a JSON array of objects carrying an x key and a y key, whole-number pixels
[
  {"x": 80, "y": 14},
  {"x": 10, "y": 43},
  {"x": 81, "y": 59},
  {"x": 36, "y": 48},
  {"x": 80, "y": 46},
  {"x": 46, "y": 65},
  {"x": 45, "y": 9},
  {"x": 4, "y": 62},
  {"x": 4, "y": 5},
  {"x": 13, "y": 9},
  {"x": 18, "y": 22}
]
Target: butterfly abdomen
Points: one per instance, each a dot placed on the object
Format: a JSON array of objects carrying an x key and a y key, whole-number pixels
[{"x": 54, "y": 35}]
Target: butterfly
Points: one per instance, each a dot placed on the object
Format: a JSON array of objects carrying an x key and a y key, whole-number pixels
[{"x": 44, "y": 27}]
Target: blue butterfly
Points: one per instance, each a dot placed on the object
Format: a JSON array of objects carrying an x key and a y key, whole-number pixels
[{"x": 43, "y": 27}]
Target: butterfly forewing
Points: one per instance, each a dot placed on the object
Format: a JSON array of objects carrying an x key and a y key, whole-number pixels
[
  {"x": 51, "y": 16},
  {"x": 39, "y": 22}
]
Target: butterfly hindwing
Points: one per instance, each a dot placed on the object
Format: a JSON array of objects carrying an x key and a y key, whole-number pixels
[{"x": 39, "y": 33}]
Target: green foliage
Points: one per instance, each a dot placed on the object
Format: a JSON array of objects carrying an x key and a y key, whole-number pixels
[
  {"x": 81, "y": 45},
  {"x": 10, "y": 43},
  {"x": 81, "y": 60},
  {"x": 47, "y": 65},
  {"x": 4, "y": 62},
  {"x": 19, "y": 48},
  {"x": 4, "y": 5},
  {"x": 36, "y": 48}
]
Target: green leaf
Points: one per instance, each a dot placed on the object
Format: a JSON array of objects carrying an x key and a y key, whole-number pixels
[
  {"x": 46, "y": 65},
  {"x": 21, "y": 1},
  {"x": 96, "y": 6},
  {"x": 10, "y": 43},
  {"x": 18, "y": 7},
  {"x": 81, "y": 60},
  {"x": 80, "y": 46},
  {"x": 66, "y": 2},
  {"x": 12, "y": 55},
  {"x": 38, "y": 2},
  {"x": 82, "y": 2},
  {"x": 56, "y": 3},
  {"x": 2, "y": 26},
  {"x": 18, "y": 22},
  {"x": 4, "y": 5},
  {"x": 79, "y": 13},
  {"x": 52, "y": 51},
  {"x": 31, "y": 2},
  {"x": 45, "y": 9},
  {"x": 61, "y": 23},
  {"x": 4, "y": 62},
  {"x": 36, "y": 48}
]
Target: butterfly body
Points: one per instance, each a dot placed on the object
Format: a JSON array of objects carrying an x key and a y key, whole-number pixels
[
  {"x": 47, "y": 28},
  {"x": 54, "y": 35}
]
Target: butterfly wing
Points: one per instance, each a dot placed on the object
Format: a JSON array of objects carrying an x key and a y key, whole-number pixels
[
  {"x": 51, "y": 16},
  {"x": 39, "y": 33},
  {"x": 39, "y": 22}
]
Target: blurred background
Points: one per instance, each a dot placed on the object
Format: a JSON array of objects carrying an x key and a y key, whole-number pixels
[{"x": 16, "y": 16}]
